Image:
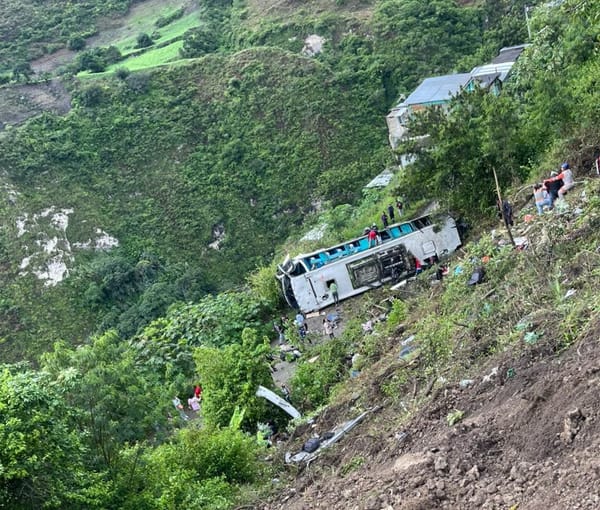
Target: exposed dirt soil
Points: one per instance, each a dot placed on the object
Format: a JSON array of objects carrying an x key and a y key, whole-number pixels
[
  {"x": 530, "y": 439},
  {"x": 19, "y": 103},
  {"x": 258, "y": 9}
]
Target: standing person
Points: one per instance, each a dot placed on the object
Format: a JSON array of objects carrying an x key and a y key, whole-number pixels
[
  {"x": 327, "y": 328},
  {"x": 384, "y": 220},
  {"x": 566, "y": 175},
  {"x": 194, "y": 403},
  {"x": 552, "y": 185},
  {"x": 198, "y": 391},
  {"x": 400, "y": 206},
  {"x": 391, "y": 212},
  {"x": 541, "y": 198},
  {"x": 377, "y": 236},
  {"x": 278, "y": 327},
  {"x": 418, "y": 266},
  {"x": 302, "y": 324},
  {"x": 179, "y": 406},
  {"x": 505, "y": 211},
  {"x": 333, "y": 288},
  {"x": 286, "y": 392},
  {"x": 372, "y": 237}
]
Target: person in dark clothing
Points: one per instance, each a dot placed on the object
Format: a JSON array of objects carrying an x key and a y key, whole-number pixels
[
  {"x": 552, "y": 186},
  {"x": 391, "y": 212},
  {"x": 384, "y": 220},
  {"x": 505, "y": 211},
  {"x": 400, "y": 206}
]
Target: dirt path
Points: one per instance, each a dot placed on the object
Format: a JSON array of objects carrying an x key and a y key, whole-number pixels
[{"x": 284, "y": 370}]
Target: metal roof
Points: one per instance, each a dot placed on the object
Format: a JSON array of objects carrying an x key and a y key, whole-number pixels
[
  {"x": 501, "y": 69},
  {"x": 438, "y": 89},
  {"x": 509, "y": 54},
  {"x": 486, "y": 79},
  {"x": 382, "y": 180}
]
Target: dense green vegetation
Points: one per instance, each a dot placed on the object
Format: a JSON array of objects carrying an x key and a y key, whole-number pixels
[{"x": 238, "y": 148}]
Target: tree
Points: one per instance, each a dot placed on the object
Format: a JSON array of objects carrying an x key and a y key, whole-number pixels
[
  {"x": 230, "y": 377},
  {"x": 41, "y": 452},
  {"x": 479, "y": 133},
  {"x": 198, "y": 41},
  {"x": 118, "y": 402},
  {"x": 143, "y": 40},
  {"x": 90, "y": 60}
]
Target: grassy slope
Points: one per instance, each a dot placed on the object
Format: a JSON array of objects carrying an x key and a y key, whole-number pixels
[{"x": 29, "y": 29}]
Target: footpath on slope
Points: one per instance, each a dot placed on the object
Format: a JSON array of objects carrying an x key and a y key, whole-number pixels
[{"x": 529, "y": 437}]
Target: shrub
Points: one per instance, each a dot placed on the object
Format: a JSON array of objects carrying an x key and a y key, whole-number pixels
[
  {"x": 76, "y": 43},
  {"x": 143, "y": 40},
  {"x": 138, "y": 82},
  {"x": 398, "y": 314},
  {"x": 265, "y": 286},
  {"x": 313, "y": 382},
  {"x": 122, "y": 72},
  {"x": 196, "y": 470},
  {"x": 197, "y": 42},
  {"x": 163, "y": 21},
  {"x": 90, "y": 96}
]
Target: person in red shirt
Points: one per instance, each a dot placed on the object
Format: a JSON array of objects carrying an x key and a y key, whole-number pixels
[
  {"x": 418, "y": 266},
  {"x": 372, "y": 237},
  {"x": 198, "y": 392}
]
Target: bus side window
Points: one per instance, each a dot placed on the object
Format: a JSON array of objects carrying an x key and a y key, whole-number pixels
[
  {"x": 423, "y": 222},
  {"x": 406, "y": 228}
]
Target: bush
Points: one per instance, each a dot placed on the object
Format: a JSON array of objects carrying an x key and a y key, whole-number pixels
[
  {"x": 76, "y": 43},
  {"x": 198, "y": 41},
  {"x": 163, "y": 21},
  {"x": 138, "y": 82},
  {"x": 196, "y": 470},
  {"x": 143, "y": 41},
  {"x": 265, "y": 286},
  {"x": 398, "y": 314},
  {"x": 122, "y": 72},
  {"x": 313, "y": 382},
  {"x": 90, "y": 96}
]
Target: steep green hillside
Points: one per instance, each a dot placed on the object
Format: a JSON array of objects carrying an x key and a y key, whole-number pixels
[
  {"x": 229, "y": 150},
  {"x": 127, "y": 192},
  {"x": 199, "y": 170}
]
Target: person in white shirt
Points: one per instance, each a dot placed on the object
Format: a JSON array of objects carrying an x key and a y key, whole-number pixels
[{"x": 567, "y": 178}]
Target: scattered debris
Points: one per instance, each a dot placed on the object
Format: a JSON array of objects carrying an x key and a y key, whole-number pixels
[
  {"x": 334, "y": 438},
  {"x": 278, "y": 401}
]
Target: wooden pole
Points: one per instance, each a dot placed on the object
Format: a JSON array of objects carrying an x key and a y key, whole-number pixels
[{"x": 501, "y": 206}]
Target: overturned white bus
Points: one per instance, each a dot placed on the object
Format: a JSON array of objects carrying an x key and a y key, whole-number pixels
[{"x": 356, "y": 267}]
